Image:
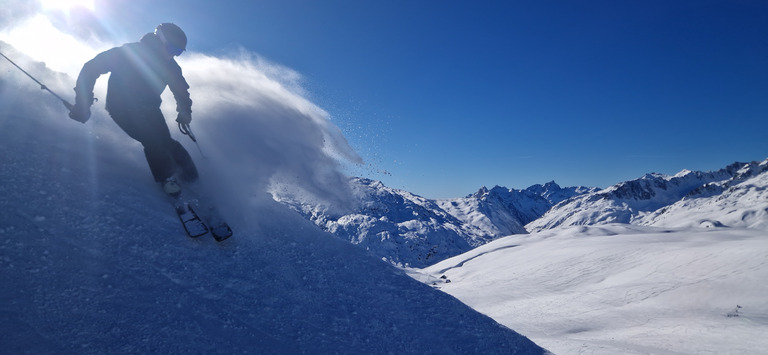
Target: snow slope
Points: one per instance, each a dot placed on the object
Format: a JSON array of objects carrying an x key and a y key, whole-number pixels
[
  {"x": 620, "y": 289},
  {"x": 93, "y": 259}
]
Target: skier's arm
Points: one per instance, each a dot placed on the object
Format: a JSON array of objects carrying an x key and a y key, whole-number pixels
[
  {"x": 92, "y": 70},
  {"x": 86, "y": 80},
  {"x": 180, "y": 89}
]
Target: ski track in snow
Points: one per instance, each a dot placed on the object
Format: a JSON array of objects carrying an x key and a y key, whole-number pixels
[
  {"x": 94, "y": 261},
  {"x": 464, "y": 261}
]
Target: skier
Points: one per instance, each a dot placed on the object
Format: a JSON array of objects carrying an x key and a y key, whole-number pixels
[{"x": 140, "y": 73}]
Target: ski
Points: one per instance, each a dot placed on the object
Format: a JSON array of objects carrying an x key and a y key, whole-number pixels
[
  {"x": 216, "y": 224},
  {"x": 193, "y": 224},
  {"x": 198, "y": 217},
  {"x": 221, "y": 232}
]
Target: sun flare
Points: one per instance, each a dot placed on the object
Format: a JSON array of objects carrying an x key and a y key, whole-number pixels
[
  {"x": 66, "y": 4},
  {"x": 40, "y": 40}
]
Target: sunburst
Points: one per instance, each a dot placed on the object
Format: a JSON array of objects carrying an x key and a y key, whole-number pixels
[{"x": 66, "y": 4}]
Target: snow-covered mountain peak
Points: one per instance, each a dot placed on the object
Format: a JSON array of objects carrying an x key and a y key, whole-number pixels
[
  {"x": 683, "y": 173},
  {"x": 556, "y": 194},
  {"x": 374, "y": 184},
  {"x": 748, "y": 170},
  {"x": 655, "y": 176},
  {"x": 483, "y": 192}
]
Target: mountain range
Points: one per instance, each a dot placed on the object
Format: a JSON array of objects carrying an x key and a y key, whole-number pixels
[{"x": 410, "y": 230}]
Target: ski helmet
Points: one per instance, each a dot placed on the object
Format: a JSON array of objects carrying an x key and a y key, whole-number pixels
[{"x": 172, "y": 37}]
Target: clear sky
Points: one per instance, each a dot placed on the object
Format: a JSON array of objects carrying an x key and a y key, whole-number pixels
[{"x": 442, "y": 97}]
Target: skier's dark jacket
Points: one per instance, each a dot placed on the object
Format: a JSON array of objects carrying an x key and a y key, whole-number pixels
[{"x": 140, "y": 74}]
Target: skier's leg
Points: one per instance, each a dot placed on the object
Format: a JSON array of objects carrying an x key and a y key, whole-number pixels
[
  {"x": 188, "y": 170},
  {"x": 160, "y": 161},
  {"x": 148, "y": 127}
]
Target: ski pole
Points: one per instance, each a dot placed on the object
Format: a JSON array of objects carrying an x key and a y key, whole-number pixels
[
  {"x": 186, "y": 130},
  {"x": 42, "y": 87}
]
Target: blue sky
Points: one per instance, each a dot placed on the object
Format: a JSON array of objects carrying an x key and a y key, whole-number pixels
[{"x": 443, "y": 97}]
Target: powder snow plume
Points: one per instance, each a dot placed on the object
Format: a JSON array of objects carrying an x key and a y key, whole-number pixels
[{"x": 258, "y": 131}]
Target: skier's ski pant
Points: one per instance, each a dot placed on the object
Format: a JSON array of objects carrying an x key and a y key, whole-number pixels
[{"x": 165, "y": 155}]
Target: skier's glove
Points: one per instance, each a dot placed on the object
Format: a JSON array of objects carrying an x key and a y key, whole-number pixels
[
  {"x": 80, "y": 113},
  {"x": 184, "y": 118}
]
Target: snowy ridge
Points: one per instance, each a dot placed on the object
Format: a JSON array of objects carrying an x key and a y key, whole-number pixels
[
  {"x": 741, "y": 201},
  {"x": 627, "y": 201},
  {"x": 94, "y": 260}
]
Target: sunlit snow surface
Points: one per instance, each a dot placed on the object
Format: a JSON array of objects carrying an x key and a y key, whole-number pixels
[{"x": 621, "y": 289}]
